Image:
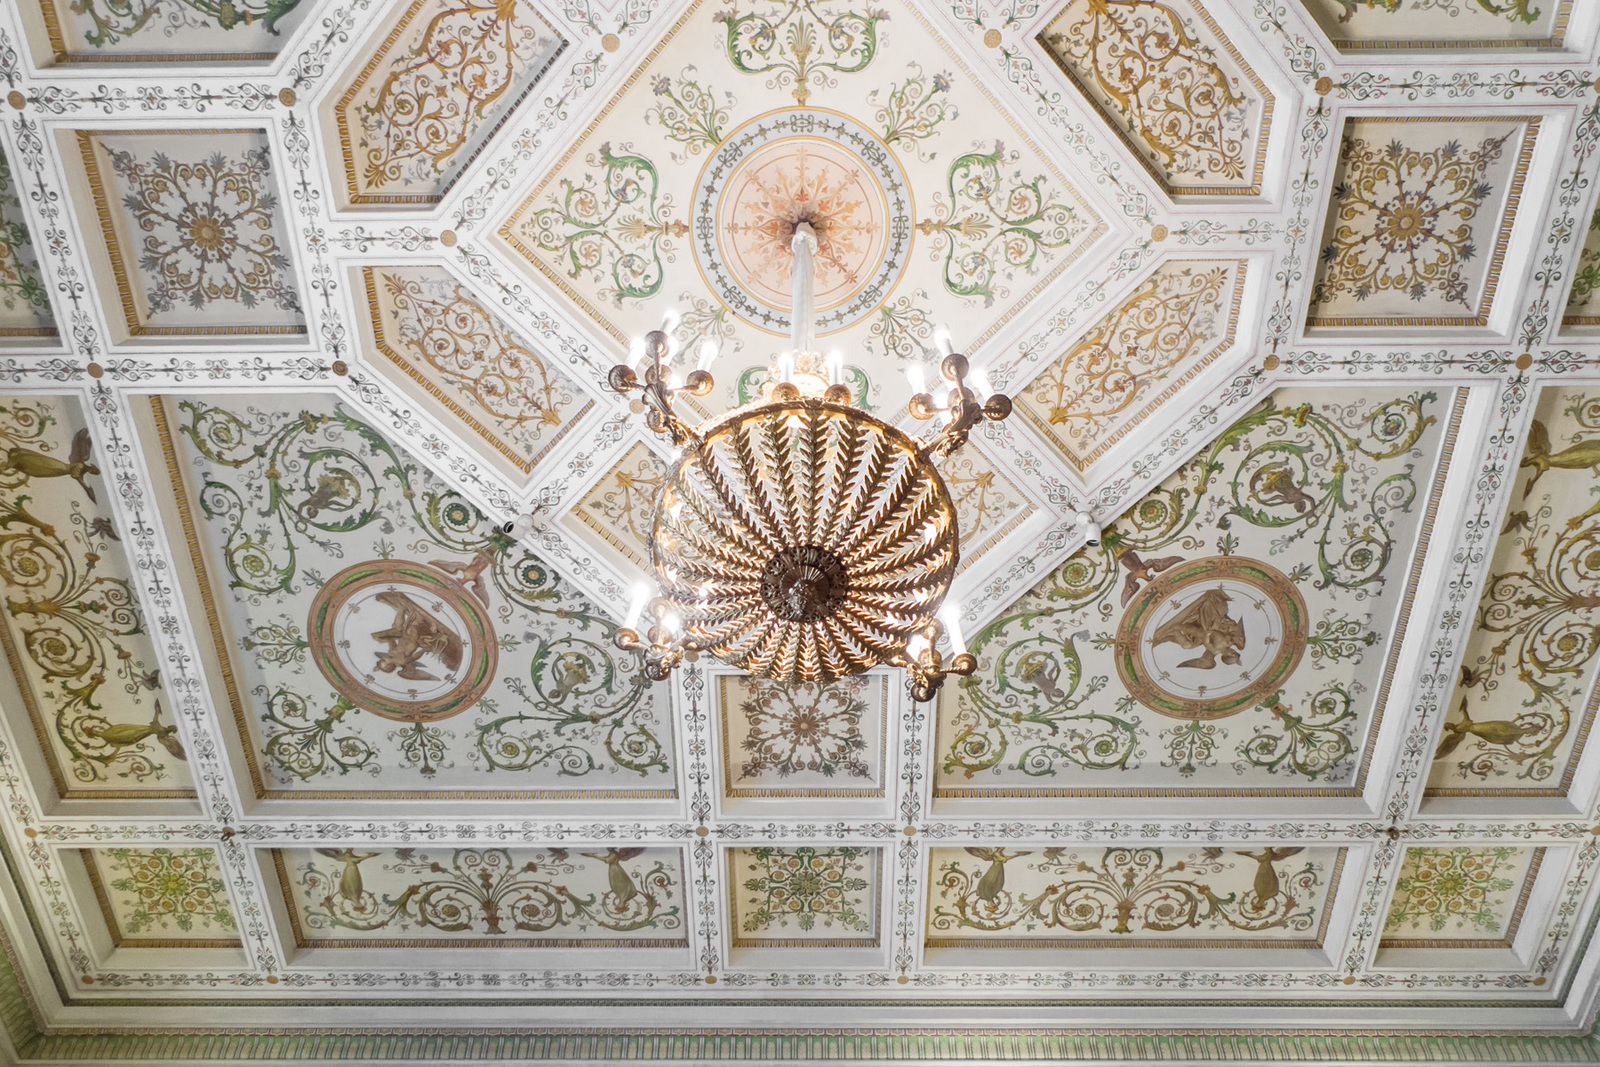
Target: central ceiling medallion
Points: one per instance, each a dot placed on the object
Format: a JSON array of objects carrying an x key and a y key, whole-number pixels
[
  {"x": 811, "y": 167},
  {"x": 798, "y": 537}
]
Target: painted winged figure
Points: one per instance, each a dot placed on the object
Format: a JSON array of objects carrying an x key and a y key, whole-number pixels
[
  {"x": 415, "y": 634},
  {"x": 1204, "y": 623}
]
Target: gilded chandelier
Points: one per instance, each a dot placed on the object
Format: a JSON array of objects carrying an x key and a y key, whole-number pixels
[{"x": 799, "y": 537}]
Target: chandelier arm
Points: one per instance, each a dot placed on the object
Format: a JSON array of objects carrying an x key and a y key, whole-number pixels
[
  {"x": 732, "y": 531},
  {"x": 843, "y": 456},
  {"x": 906, "y": 553},
  {"x": 808, "y": 460},
  {"x": 757, "y": 498},
  {"x": 874, "y": 459}
]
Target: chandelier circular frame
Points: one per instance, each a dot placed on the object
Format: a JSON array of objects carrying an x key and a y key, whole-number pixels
[{"x": 804, "y": 540}]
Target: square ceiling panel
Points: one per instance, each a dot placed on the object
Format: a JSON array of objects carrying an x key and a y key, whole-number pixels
[
  {"x": 193, "y": 231},
  {"x": 1419, "y": 220}
]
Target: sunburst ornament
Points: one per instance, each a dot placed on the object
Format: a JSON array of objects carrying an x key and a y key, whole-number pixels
[{"x": 798, "y": 537}]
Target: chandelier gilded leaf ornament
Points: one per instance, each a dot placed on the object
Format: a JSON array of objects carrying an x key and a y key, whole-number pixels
[{"x": 797, "y": 537}]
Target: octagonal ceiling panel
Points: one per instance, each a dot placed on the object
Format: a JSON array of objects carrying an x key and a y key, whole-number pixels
[
  {"x": 444, "y": 345},
  {"x": 378, "y": 635},
  {"x": 931, "y": 205},
  {"x": 1235, "y": 630},
  {"x": 442, "y": 77},
  {"x": 1168, "y": 80}
]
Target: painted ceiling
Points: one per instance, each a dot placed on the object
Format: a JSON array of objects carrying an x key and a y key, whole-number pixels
[{"x": 301, "y": 301}]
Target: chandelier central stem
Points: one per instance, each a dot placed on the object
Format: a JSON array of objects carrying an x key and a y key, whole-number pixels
[{"x": 803, "y": 289}]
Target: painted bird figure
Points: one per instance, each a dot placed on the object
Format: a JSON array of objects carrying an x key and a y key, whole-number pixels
[
  {"x": 1585, "y": 455},
  {"x": 1141, "y": 571},
  {"x": 994, "y": 879},
  {"x": 33, "y": 464},
  {"x": 1493, "y": 732},
  {"x": 1266, "y": 884},
  {"x": 350, "y": 879},
  {"x": 622, "y": 886}
]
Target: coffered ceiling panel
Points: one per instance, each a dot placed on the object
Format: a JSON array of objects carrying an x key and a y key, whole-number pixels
[
  {"x": 442, "y": 76},
  {"x": 193, "y": 231},
  {"x": 86, "y": 675},
  {"x": 1419, "y": 220},
  {"x": 24, "y": 302},
  {"x": 1525, "y": 701},
  {"x": 1173, "y": 86},
  {"x": 1176, "y": 322},
  {"x": 451, "y": 350},
  {"x": 1184, "y": 652},
  {"x": 172, "y": 31},
  {"x": 493, "y": 898},
  {"x": 378, "y": 636},
  {"x": 1369, "y": 25},
  {"x": 1130, "y": 897}
]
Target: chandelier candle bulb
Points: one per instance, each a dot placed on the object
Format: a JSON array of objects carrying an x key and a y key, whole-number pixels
[
  {"x": 950, "y": 615},
  {"x": 941, "y": 339},
  {"x": 835, "y": 367},
  {"x": 641, "y": 597},
  {"x": 708, "y": 354}
]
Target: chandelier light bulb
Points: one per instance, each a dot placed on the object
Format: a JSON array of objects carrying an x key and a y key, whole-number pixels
[
  {"x": 980, "y": 383},
  {"x": 941, "y": 339},
  {"x": 917, "y": 378},
  {"x": 950, "y": 615},
  {"x": 835, "y": 367},
  {"x": 669, "y": 321},
  {"x": 641, "y": 597},
  {"x": 638, "y": 352},
  {"x": 708, "y": 353}
]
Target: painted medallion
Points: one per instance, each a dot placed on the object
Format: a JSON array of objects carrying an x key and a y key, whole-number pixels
[
  {"x": 403, "y": 641},
  {"x": 793, "y": 167},
  {"x": 1211, "y": 637}
]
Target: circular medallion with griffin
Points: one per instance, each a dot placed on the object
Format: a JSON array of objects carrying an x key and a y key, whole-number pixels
[
  {"x": 1208, "y": 638},
  {"x": 402, "y": 640},
  {"x": 802, "y": 166}
]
